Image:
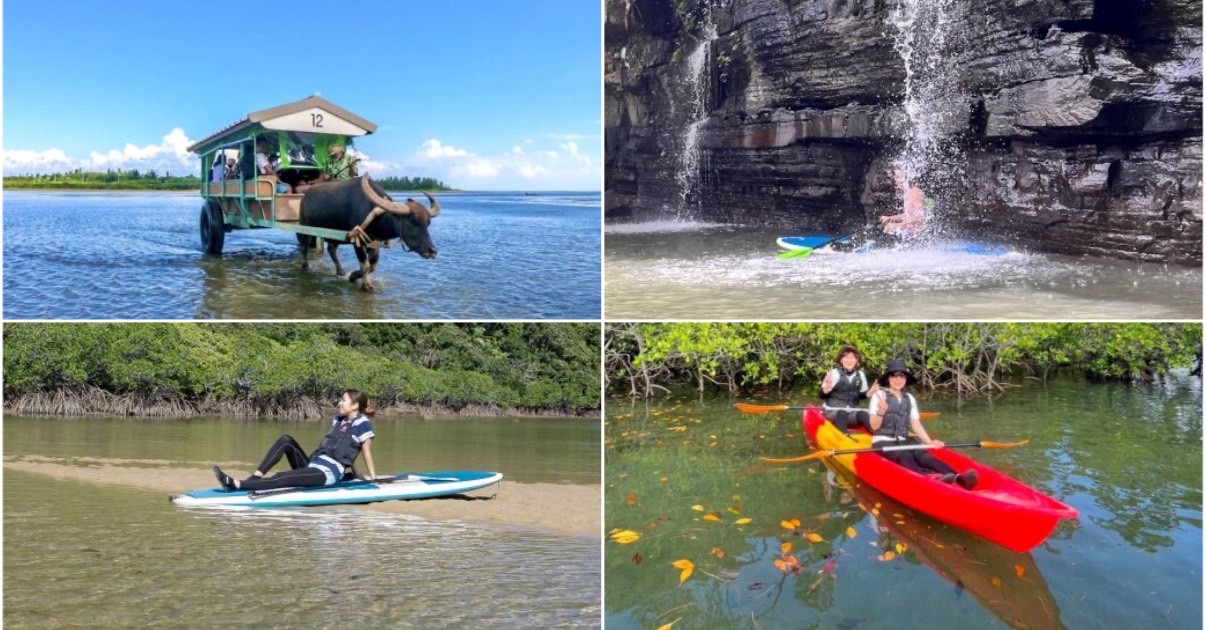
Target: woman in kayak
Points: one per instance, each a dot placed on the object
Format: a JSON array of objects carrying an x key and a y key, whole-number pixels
[
  {"x": 351, "y": 433},
  {"x": 893, "y": 412},
  {"x": 842, "y": 388}
]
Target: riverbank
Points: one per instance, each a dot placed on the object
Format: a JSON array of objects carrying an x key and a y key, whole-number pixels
[{"x": 560, "y": 508}]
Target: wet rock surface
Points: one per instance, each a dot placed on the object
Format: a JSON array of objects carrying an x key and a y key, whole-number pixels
[{"x": 1078, "y": 122}]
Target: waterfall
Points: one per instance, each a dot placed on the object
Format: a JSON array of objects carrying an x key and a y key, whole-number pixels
[
  {"x": 687, "y": 173},
  {"x": 926, "y": 35}
]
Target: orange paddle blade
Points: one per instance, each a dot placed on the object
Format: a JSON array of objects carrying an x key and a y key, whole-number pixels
[
  {"x": 748, "y": 408},
  {"x": 796, "y": 460},
  {"x": 1003, "y": 444}
]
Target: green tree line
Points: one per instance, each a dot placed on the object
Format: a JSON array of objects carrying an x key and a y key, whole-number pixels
[
  {"x": 412, "y": 183},
  {"x": 108, "y": 180},
  {"x": 968, "y": 358},
  {"x": 550, "y": 367}
]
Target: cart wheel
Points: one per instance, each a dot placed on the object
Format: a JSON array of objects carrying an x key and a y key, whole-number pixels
[{"x": 213, "y": 233}]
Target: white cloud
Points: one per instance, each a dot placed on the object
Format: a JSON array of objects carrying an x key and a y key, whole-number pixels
[
  {"x": 434, "y": 149},
  {"x": 527, "y": 165},
  {"x": 169, "y": 156}
]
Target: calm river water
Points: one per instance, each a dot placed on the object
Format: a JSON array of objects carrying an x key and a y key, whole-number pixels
[
  {"x": 138, "y": 256},
  {"x": 697, "y": 271},
  {"x": 1129, "y": 458},
  {"x": 87, "y": 555}
]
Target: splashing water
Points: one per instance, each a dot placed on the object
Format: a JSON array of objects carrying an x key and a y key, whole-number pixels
[
  {"x": 687, "y": 175},
  {"x": 926, "y": 35}
]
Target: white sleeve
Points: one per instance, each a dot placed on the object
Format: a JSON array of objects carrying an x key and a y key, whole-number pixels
[
  {"x": 915, "y": 414},
  {"x": 863, "y": 379},
  {"x": 873, "y": 407},
  {"x": 261, "y": 161}
]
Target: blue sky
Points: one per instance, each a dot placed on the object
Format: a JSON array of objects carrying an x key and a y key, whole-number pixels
[{"x": 485, "y": 95}]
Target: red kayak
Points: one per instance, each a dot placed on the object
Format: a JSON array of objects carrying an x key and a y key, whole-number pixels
[{"x": 1001, "y": 509}]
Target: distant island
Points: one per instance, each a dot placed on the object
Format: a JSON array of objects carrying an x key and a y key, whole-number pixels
[{"x": 135, "y": 180}]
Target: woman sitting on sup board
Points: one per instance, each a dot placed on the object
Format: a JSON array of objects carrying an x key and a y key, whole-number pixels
[
  {"x": 351, "y": 433},
  {"x": 843, "y": 387},
  {"x": 893, "y": 412}
]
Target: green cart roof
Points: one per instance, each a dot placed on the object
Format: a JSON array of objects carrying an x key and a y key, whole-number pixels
[{"x": 297, "y": 116}]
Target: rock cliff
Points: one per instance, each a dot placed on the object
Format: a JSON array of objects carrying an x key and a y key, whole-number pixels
[{"x": 1077, "y": 124}]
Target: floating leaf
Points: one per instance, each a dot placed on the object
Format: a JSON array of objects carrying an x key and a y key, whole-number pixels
[
  {"x": 669, "y": 625},
  {"x": 637, "y": 558},
  {"x": 785, "y": 547},
  {"x": 678, "y": 429},
  {"x": 901, "y": 547},
  {"x": 996, "y": 581},
  {"x": 1019, "y": 569},
  {"x": 780, "y": 565},
  {"x": 887, "y": 555},
  {"x": 626, "y": 536},
  {"x": 718, "y": 552},
  {"x": 814, "y": 537},
  {"x": 744, "y": 521},
  {"x": 711, "y": 517},
  {"x": 664, "y": 480},
  {"x": 829, "y": 567},
  {"x": 792, "y": 524},
  {"x": 737, "y": 497},
  {"x": 630, "y": 498},
  {"x": 850, "y": 532},
  {"x": 687, "y": 567},
  {"x": 733, "y": 510},
  {"x": 792, "y": 563},
  {"x": 697, "y": 508}
]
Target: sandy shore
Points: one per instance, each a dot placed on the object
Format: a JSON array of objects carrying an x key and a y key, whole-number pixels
[{"x": 563, "y": 509}]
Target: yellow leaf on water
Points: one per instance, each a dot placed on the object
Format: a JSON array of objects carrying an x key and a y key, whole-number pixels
[
  {"x": 744, "y": 521},
  {"x": 1019, "y": 569},
  {"x": 697, "y": 508},
  {"x": 664, "y": 480},
  {"x": 996, "y": 581},
  {"x": 786, "y": 525},
  {"x": 887, "y": 555},
  {"x": 814, "y": 537},
  {"x": 687, "y": 567},
  {"x": 711, "y": 517},
  {"x": 850, "y": 532},
  {"x": 785, "y": 547},
  {"x": 668, "y": 626},
  {"x": 625, "y": 537},
  {"x": 733, "y": 510},
  {"x": 631, "y": 498},
  {"x": 780, "y": 565},
  {"x": 901, "y": 547},
  {"x": 737, "y": 497},
  {"x": 718, "y": 552}
]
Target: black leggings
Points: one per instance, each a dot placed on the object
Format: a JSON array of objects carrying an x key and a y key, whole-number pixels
[
  {"x": 843, "y": 419},
  {"x": 918, "y": 461},
  {"x": 301, "y": 475}
]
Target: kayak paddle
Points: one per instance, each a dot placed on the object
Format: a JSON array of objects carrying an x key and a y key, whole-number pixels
[
  {"x": 901, "y": 447},
  {"x": 802, "y": 252},
  {"x": 748, "y": 408}
]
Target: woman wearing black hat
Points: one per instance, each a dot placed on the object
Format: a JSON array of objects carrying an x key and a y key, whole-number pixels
[
  {"x": 893, "y": 412},
  {"x": 843, "y": 387}
]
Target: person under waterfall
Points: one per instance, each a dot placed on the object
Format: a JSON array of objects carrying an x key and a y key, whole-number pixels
[{"x": 912, "y": 220}]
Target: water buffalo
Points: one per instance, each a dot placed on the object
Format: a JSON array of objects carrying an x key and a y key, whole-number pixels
[{"x": 371, "y": 218}]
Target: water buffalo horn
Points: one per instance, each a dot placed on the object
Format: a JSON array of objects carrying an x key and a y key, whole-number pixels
[
  {"x": 434, "y": 211},
  {"x": 381, "y": 202}
]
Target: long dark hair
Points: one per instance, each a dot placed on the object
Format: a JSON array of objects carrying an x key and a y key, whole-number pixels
[{"x": 359, "y": 398}]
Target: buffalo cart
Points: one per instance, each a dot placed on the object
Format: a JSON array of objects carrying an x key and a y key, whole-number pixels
[{"x": 294, "y": 136}]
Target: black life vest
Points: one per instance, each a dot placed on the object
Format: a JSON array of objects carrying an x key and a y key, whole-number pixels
[
  {"x": 339, "y": 444},
  {"x": 896, "y": 418},
  {"x": 847, "y": 389}
]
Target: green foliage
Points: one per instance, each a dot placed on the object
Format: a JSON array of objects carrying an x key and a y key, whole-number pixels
[
  {"x": 966, "y": 356},
  {"x": 109, "y": 180},
  {"x": 412, "y": 183},
  {"x": 537, "y": 366}
]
